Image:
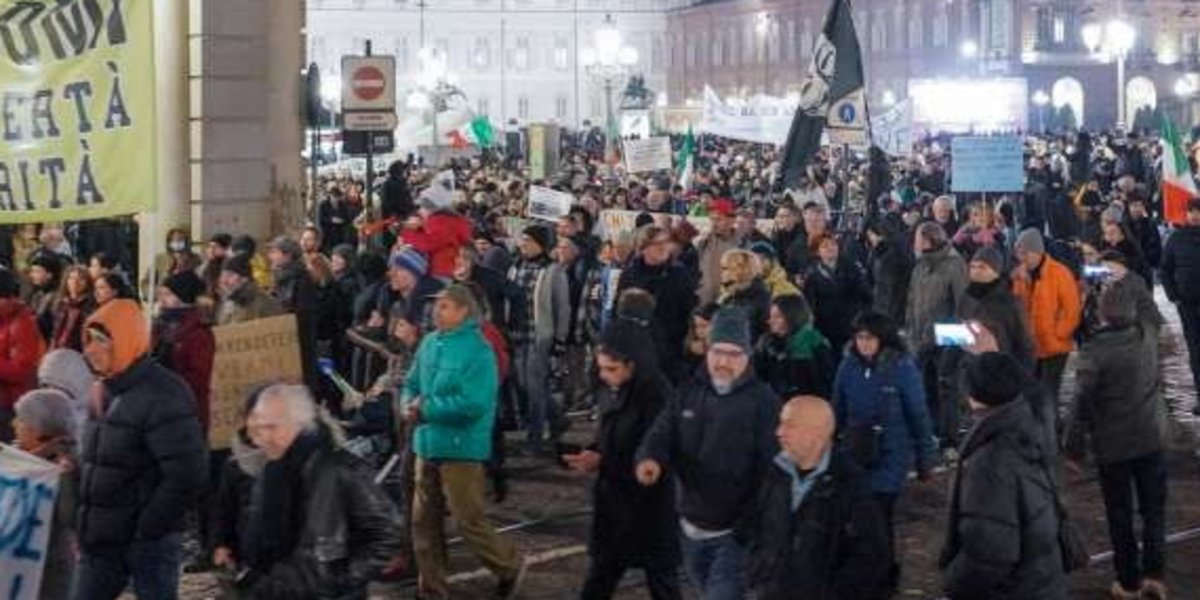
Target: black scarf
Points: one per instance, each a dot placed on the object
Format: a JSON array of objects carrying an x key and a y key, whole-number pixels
[
  {"x": 977, "y": 289},
  {"x": 277, "y": 510}
]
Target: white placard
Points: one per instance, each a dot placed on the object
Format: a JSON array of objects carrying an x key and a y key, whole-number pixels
[
  {"x": 28, "y": 487},
  {"x": 653, "y": 154},
  {"x": 548, "y": 204}
]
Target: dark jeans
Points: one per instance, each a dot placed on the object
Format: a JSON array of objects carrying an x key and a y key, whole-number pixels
[
  {"x": 1189, "y": 316},
  {"x": 604, "y": 575},
  {"x": 152, "y": 565},
  {"x": 1145, "y": 476},
  {"x": 887, "y": 508},
  {"x": 6, "y": 425},
  {"x": 941, "y": 375},
  {"x": 1050, "y": 374},
  {"x": 207, "y": 505},
  {"x": 717, "y": 567}
]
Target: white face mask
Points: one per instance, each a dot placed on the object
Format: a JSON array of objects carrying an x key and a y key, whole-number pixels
[{"x": 177, "y": 246}]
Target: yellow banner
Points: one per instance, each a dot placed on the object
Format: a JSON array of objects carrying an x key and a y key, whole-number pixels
[{"x": 77, "y": 116}]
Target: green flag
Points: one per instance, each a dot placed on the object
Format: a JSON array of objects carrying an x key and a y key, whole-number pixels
[
  {"x": 482, "y": 132},
  {"x": 685, "y": 160}
]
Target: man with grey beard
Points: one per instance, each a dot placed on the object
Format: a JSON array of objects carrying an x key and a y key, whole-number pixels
[{"x": 716, "y": 437}]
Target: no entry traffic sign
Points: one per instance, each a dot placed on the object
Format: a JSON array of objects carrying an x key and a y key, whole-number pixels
[{"x": 368, "y": 83}]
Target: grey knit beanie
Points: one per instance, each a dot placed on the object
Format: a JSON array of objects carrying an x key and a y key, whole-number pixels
[
  {"x": 1031, "y": 240},
  {"x": 730, "y": 326},
  {"x": 49, "y": 412}
]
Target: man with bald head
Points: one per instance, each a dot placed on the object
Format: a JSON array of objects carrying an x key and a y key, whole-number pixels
[{"x": 816, "y": 532}]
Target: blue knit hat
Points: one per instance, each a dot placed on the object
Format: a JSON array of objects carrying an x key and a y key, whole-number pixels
[{"x": 410, "y": 260}]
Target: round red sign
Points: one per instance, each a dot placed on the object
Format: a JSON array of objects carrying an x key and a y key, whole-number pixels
[{"x": 367, "y": 83}]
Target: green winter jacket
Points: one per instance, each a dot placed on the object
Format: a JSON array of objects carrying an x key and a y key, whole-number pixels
[{"x": 454, "y": 378}]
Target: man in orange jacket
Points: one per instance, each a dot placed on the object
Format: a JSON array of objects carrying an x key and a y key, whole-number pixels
[{"x": 1049, "y": 294}]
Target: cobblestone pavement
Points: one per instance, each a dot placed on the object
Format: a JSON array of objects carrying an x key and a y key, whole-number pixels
[{"x": 546, "y": 515}]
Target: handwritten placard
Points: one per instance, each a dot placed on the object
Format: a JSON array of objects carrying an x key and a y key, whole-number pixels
[
  {"x": 249, "y": 354},
  {"x": 987, "y": 164}
]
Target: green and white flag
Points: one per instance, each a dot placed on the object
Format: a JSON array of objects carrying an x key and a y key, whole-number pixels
[
  {"x": 685, "y": 160},
  {"x": 477, "y": 132}
]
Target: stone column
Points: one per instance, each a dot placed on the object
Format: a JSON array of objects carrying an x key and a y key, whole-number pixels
[
  {"x": 246, "y": 132},
  {"x": 171, "y": 98}
]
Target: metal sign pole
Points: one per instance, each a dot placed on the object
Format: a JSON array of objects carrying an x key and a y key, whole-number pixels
[{"x": 370, "y": 187}]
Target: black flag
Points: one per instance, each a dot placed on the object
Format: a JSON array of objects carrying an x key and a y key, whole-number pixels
[{"x": 833, "y": 96}]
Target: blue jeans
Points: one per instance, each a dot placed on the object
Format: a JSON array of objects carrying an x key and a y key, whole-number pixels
[
  {"x": 531, "y": 366},
  {"x": 153, "y": 565},
  {"x": 716, "y": 566}
]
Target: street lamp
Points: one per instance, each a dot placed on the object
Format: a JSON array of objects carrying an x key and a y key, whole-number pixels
[
  {"x": 1114, "y": 39},
  {"x": 1184, "y": 87},
  {"x": 969, "y": 49},
  {"x": 765, "y": 27},
  {"x": 608, "y": 61},
  {"x": 1040, "y": 100},
  {"x": 888, "y": 98},
  {"x": 435, "y": 86}
]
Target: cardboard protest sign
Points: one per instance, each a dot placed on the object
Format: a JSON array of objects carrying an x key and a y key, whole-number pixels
[
  {"x": 28, "y": 488},
  {"x": 249, "y": 354}
]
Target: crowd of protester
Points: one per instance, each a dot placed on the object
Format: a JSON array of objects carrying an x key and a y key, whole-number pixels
[{"x": 766, "y": 380}]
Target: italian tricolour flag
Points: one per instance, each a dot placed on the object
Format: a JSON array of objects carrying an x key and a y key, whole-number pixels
[
  {"x": 1178, "y": 186},
  {"x": 478, "y": 132}
]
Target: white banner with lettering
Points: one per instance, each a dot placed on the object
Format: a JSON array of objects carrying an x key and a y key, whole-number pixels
[
  {"x": 547, "y": 204},
  {"x": 761, "y": 119},
  {"x": 653, "y": 154},
  {"x": 28, "y": 486}
]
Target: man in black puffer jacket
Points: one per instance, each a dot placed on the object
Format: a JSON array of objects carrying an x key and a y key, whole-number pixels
[
  {"x": 815, "y": 531},
  {"x": 1119, "y": 405},
  {"x": 674, "y": 296},
  {"x": 989, "y": 300},
  {"x": 890, "y": 268},
  {"x": 1002, "y": 532},
  {"x": 716, "y": 437},
  {"x": 1181, "y": 282},
  {"x": 144, "y": 463}
]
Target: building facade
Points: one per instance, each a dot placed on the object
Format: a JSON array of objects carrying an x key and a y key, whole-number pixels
[
  {"x": 742, "y": 47},
  {"x": 513, "y": 59}
]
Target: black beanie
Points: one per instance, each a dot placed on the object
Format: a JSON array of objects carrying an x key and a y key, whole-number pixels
[
  {"x": 9, "y": 288},
  {"x": 238, "y": 264},
  {"x": 48, "y": 261},
  {"x": 186, "y": 286},
  {"x": 994, "y": 378},
  {"x": 541, "y": 235}
]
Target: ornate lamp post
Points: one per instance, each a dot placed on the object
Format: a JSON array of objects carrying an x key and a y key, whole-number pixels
[
  {"x": 1113, "y": 39},
  {"x": 607, "y": 62}
]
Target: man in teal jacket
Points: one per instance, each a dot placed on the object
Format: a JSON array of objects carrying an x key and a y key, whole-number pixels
[{"x": 450, "y": 397}]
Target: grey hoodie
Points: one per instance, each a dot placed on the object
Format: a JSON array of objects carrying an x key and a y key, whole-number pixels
[{"x": 66, "y": 370}]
